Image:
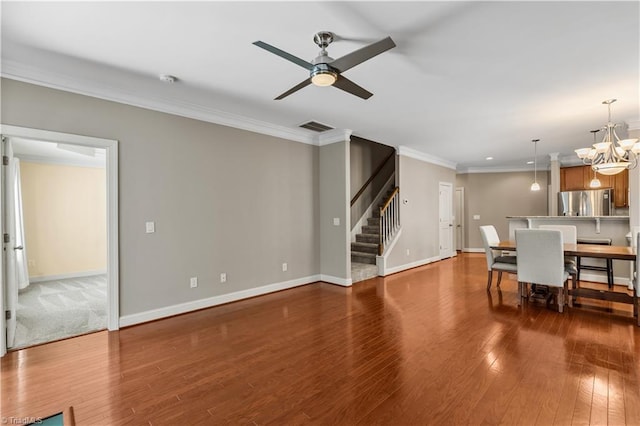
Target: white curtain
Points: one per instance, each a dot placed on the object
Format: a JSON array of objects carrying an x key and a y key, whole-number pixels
[{"x": 22, "y": 272}]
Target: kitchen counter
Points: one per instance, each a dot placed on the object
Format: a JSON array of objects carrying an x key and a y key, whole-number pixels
[
  {"x": 614, "y": 227},
  {"x": 623, "y": 218},
  {"x": 591, "y": 226}
]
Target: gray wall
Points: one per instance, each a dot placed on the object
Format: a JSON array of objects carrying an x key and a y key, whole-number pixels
[
  {"x": 494, "y": 196},
  {"x": 223, "y": 199},
  {"x": 419, "y": 185},
  {"x": 334, "y": 203}
]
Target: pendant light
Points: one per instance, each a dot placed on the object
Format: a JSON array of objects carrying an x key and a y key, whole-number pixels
[
  {"x": 535, "y": 186},
  {"x": 595, "y": 182}
]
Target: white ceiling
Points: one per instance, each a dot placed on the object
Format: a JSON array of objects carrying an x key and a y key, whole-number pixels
[
  {"x": 467, "y": 80},
  {"x": 57, "y": 153}
]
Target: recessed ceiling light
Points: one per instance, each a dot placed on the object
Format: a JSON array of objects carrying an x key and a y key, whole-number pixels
[
  {"x": 489, "y": 158},
  {"x": 168, "y": 78},
  {"x": 529, "y": 162}
]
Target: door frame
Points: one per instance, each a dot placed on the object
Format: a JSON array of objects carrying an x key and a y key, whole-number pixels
[
  {"x": 459, "y": 215},
  {"x": 452, "y": 250},
  {"x": 111, "y": 169}
]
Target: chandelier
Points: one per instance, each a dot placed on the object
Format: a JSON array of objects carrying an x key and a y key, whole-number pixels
[{"x": 612, "y": 155}]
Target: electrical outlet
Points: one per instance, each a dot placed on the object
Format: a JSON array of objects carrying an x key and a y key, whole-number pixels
[
  {"x": 31, "y": 263},
  {"x": 223, "y": 277},
  {"x": 285, "y": 267},
  {"x": 193, "y": 282}
]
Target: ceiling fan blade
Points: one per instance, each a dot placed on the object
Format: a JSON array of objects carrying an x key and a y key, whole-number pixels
[
  {"x": 294, "y": 89},
  {"x": 349, "y": 86},
  {"x": 356, "y": 57},
  {"x": 285, "y": 55}
]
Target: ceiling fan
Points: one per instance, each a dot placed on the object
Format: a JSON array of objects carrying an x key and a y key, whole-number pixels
[{"x": 326, "y": 71}]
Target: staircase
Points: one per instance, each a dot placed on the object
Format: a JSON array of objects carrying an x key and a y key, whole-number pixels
[
  {"x": 367, "y": 245},
  {"x": 365, "y": 249}
]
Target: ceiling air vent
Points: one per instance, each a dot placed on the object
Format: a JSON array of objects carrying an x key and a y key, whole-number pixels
[{"x": 315, "y": 126}]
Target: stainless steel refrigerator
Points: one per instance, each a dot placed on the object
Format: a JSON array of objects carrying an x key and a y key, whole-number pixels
[{"x": 592, "y": 202}]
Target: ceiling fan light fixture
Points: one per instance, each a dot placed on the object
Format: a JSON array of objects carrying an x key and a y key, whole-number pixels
[{"x": 322, "y": 75}]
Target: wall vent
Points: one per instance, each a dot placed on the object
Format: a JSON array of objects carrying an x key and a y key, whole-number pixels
[{"x": 315, "y": 126}]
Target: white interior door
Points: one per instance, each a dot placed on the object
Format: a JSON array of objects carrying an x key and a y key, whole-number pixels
[
  {"x": 459, "y": 218},
  {"x": 10, "y": 289},
  {"x": 446, "y": 219}
]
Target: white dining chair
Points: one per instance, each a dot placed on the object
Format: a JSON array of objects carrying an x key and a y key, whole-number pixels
[
  {"x": 495, "y": 260},
  {"x": 541, "y": 261},
  {"x": 569, "y": 236}
]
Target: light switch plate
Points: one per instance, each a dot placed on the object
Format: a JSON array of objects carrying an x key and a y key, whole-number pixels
[{"x": 150, "y": 227}]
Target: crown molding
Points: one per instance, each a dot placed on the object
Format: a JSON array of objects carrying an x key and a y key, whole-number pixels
[
  {"x": 412, "y": 153},
  {"x": 571, "y": 160},
  {"x": 633, "y": 124},
  {"x": 29, "y": 74},
  {"x": 332, "y": 136},
  {"x": 470, "y": 170}
]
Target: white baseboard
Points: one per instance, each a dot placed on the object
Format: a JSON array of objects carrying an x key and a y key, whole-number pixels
[
  {"x": 67, "y": 276},
  {"x": 597, "y": 278},
  {"x": 395, "y": 269},
  {"x": 167, "y": 311},
  {"x": 473, "y": 250},
  {"x": 336, "y": 280}
]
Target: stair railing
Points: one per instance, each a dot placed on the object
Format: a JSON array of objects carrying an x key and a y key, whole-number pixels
[
  {"x": 371, "y": 178},
  {"x": 389, "y": 219}
]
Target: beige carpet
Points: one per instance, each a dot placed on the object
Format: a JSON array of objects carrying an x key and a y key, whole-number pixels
[{"x": 54, "y": 310}]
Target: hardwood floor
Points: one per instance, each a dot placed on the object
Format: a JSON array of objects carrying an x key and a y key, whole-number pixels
[{"x": 426, "y": 346}]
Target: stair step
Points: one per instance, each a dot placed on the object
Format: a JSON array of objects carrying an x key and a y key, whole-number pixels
[
  {"x": 368, "y": 238},
  {"x": 360, "y": 257},
  {"x": 370, "y": 229},
  {"x": 363, "y": 271},
  {"x": 364, "y": 247},
  {"x": 373, "y": 221}
]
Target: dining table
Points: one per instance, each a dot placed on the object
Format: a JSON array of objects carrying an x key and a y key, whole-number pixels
[{"x": 598, "y": 251}]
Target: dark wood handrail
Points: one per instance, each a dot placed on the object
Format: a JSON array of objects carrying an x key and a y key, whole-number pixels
[
  {"x": 386, "y": 204},
  {"x": 373, "y": 176}
]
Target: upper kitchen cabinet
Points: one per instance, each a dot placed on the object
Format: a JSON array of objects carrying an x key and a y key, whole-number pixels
[
  {"x": 621, "y": 189},
  {"x": 579, "y": 177},
  {"x": 572, "y": 178}
]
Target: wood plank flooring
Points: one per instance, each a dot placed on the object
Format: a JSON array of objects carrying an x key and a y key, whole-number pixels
[{"x": 425, "y": 346}]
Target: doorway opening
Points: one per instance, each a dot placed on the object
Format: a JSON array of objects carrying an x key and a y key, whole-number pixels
[{"x": 59, "y": 221}]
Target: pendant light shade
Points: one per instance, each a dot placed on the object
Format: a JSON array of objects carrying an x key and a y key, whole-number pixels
[
  {"x": 595, "y": 182},
  {"x": 535, "y": 186}
]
